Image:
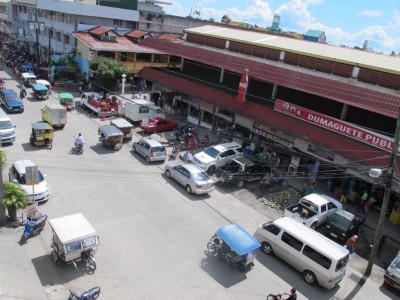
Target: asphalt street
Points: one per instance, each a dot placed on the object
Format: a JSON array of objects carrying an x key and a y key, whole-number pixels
[{"x": 152, "y": 233}]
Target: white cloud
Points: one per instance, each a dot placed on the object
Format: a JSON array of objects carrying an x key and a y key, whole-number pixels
[
  {"x": 371, "y": 13},
  {"x": 314, "y": 2}
]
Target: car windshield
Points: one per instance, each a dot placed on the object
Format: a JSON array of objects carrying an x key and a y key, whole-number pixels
[
  {"x": 309, "y": 205},
  {"x": 202, "y": 176},
  {"x": 23, "y": 178},
  {"x": 342, "y": 263},
  {"x": 151, "y": 121},
  {"x": 212, "y": 152},
  {"x": 5, "y": 125},
  {"x": 340, "y": 221}
]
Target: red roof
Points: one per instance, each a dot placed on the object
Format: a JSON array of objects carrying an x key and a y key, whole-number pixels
[
  {"x": 136, "y": 34},
  {"x": 316, "y": 135},
  {"x": 169, "y": 36},
  {"x": 101, "y": 30},
  {"x": 121, "y": 43},
  {"x": 344, "y": 91}
]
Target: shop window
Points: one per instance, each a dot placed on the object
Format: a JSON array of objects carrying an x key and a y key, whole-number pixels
[
  {"x": 61, "y": 17},
  {"x": 225, "y": 112},
  {"x": 143, "y": 57},
  {"x": 194, "y": 111},
  {"x": 54, "y": 15},
  {"x": 160, "y": 58},
  {"x": 207, "y": 117},
  {"x": 69, "y": 19},
  {"x": 66, "y": 39},
  {"x": 58, "y": 36},
  {"x": 118, "y": 22},
  {"x": 46, "y": 14}
]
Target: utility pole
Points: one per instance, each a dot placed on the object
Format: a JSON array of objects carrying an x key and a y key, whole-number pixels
[
  {"x": 37, "y": 41},
  {"x": 49, "y": 49},
  {"x": 388, "y": 189}
]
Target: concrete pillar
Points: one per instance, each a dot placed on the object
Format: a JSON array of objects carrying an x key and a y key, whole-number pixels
[
  {"x": 345, "y": 109},
  {"x": 200, "y": 117},
  {"x": 282, "y": 56},
  {"x": 356, "y": 71},
  {"x": 182, "y": 60},
  {"x": 227, "y": 45},
  {"x": 221, "y": 77},
  {"x": 274, "y": 92}
]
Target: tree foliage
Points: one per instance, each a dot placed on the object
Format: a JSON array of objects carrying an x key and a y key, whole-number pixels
[
  {"x": 108, "y": 71},
  {"x": 14, "y": 196}
]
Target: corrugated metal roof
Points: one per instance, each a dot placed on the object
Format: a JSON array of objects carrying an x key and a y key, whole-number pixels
[
  {"x": 136, "y": 33},
  {"x": 348, "y": 147},
  {"x": 101, "y": 30},
  {"x": 343, "y": 90},
  {"x": 122, "y": 44},
  {"x": 169, "y": 36},
  {"x": 390, "y": 64},
  {"x": 314, "y": 33}
]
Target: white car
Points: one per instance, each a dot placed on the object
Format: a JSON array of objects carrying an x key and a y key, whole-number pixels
[
  {"x": 216, "y": 156},
  {"x": 150, "y": 149},
  {"x": 194, "y": 179},
  {"x": 40, "y": 187}
]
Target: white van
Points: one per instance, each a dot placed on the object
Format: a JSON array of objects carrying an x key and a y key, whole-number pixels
[
  {"x": 7, "y": 129},
  {"x": 319, "y": 259}
]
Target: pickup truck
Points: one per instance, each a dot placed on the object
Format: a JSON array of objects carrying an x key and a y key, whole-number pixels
[
  {"x": 313, "y": 210},
  {"x": 342, "y": 225},
  {"x": 241, "y": 170}
]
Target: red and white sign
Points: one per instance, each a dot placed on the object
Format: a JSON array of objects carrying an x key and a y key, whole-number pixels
[
  {"x": 347, "y": 129},
  {"x": 244, "y": 83}
]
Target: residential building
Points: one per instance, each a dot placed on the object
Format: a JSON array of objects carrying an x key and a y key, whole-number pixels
[{"x": 315, "y": 36}]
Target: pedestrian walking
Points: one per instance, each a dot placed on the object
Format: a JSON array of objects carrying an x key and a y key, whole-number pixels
[
  {"x": 186, "y": 157},
  {"x": 351, "y": 243},
  {"x": 80, "y": 90},
  {"x": 90, "y": 86}
]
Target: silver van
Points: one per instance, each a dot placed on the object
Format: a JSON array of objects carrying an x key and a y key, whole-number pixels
[
  {"x": 7, "y": 129},
  {"x": 319, "y": 259}
]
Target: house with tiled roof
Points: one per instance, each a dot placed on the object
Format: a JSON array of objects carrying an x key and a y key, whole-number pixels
[{"x": 138, "y": 35}]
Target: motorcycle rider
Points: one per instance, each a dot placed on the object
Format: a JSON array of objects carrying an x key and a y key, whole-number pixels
[{"x": 79, "y": 141}]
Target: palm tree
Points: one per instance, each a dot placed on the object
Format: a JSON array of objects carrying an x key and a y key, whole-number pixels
[{"x": 14, "y": 199}]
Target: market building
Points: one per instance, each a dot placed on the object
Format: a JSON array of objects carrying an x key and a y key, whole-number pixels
[{"x": 327, "y": 108}]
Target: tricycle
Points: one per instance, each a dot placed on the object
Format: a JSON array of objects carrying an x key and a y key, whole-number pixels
[
  {"x": 40, "y": 91},
  {"x": 110, "y": 136},
  {"x": 124, "y": 126},
  {"x": 74, "y": 240},
  {"x": 234, "y": 245},
  {"x": 67, "y": 100},
  {"x": 42, "y": 134},
  {"x": 28, "y": 78}
]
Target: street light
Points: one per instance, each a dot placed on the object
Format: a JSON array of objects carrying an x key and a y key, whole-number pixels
[{"x": 123, "y": 84}]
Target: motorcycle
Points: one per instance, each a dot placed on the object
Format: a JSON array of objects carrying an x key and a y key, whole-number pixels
[
  {"x": 205, "y": 141},
  {"x": 33, "y": 228},
  {"x": 174, "y": 152},
  {"x": 270, "y": 179},
  {"x": 78, "y": 148},
  {"x": 91, "y": 294},
  {"x": 189, "y": 144},
  {"x": 49, "y": 143}
]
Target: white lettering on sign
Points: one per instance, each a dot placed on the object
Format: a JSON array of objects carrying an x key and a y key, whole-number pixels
[{"x": 347, "y": 129}]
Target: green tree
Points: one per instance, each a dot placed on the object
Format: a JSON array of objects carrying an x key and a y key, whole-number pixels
[
  {"x": 3, "y": 163},
  {"x": 107, "y": 71},
  {"x": 14, "y": 199}
]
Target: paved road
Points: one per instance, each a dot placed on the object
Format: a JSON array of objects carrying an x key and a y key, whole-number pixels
[{"x": 153, "y": 235}]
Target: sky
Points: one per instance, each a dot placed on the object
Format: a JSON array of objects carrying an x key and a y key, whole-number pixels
[{"x": 347, "y": 23}]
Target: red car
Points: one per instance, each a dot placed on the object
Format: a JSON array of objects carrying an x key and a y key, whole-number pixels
[{"x": 158, "y": 125}]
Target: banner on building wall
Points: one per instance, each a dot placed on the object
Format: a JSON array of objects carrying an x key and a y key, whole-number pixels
[
  {"x": 244, "y": 82},
  {"x": 346, "y": 129}
]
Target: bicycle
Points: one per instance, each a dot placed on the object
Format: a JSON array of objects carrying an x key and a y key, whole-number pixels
[{"x": 277, "y": 297}]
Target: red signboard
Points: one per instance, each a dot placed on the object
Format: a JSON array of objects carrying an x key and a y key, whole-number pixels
[
  {"x": 244, "y": 82},
  {"x": 347, "y": 129}
]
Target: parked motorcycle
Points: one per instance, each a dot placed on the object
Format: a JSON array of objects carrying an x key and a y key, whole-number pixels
[
  {"x": 91, "y": 294},
  {"x": 174, "y": 152},
  {"x": 33, "y": 228},
  {"x": 189, "y": 144},
  {"x": 204, "y": 142}
]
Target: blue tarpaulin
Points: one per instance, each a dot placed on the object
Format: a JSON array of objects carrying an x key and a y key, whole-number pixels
[{"x": 238, "y": 238}]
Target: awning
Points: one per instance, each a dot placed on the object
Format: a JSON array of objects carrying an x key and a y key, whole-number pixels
[{"x": 238, "y": 238}]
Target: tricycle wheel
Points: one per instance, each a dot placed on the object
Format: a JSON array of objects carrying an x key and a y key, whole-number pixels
[
  {"x": 91, "y": 263},
  {"x": 229, "y": 262},
  {"x": 212, "y": 251},
  {"x": 56, "y": 258}
]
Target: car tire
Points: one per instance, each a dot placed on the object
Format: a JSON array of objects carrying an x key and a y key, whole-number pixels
[
  {"x": 314, "y": 225},
  {"x": 267, "y": 248},
  {"x": 168, "y": 174},
  {"x": 148, "y": 159},
  {"x": 240, "y": 184},
  {"x": 189, "y": 189},
  {"x": 134, "y": 149},
  {"x": 211, "y": 170},
  {"x": 309, "y": 277}
]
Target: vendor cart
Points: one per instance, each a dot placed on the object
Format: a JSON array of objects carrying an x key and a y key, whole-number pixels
[
  {"x": 111, "y": 137},
  {"x": 74, "y": 240},
  {"x": 67, "y": 100},
  {"x": 124, "y": 126}
]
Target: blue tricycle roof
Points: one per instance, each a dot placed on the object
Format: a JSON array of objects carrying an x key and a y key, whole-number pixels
[{"x": 238, "y": 238}]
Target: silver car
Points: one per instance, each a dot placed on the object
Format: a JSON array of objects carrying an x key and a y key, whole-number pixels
[
  {"x": 150, "y": 149},
  {"x": 194, "y": 179}
]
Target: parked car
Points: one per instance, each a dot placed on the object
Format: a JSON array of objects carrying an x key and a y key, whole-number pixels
[
  {"x": 392, "y": 274},
  {"x": 216, "y": 156},
  {"x": 241, "y": 170},
  {"x": 150, "y": 149},
  {"x": 194, "y": 179},
  {"x": 158, "y": 125},
  {"x": 30, "y": 183},
  {"x": 11, "y": 101},
  {"x": 342, "y": 225}
]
